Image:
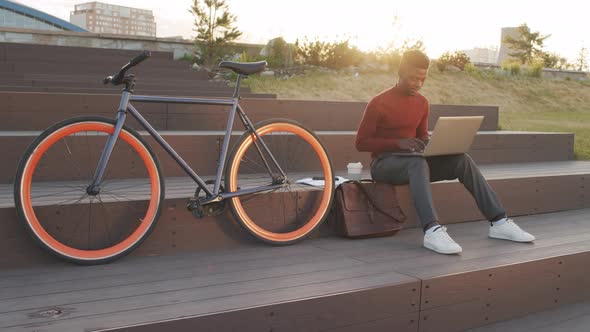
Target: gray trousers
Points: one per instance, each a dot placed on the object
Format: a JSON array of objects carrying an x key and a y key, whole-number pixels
[{"x": 418, "y": 172}]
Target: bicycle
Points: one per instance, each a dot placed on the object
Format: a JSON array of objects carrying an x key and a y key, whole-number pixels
[{"x": 90, "y": 189}]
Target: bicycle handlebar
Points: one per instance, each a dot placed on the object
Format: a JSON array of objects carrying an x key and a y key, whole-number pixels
[
  {"x": 138, "y": 59},
  {"x": 118, "y": 77}
]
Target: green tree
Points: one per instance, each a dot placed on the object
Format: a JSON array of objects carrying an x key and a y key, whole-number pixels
[
  {"x": 215, "y": 27},
  {"x": 581, "y": 63},
  {"x": 552, "y": 60},
  {"x": 527, "y": 46}
]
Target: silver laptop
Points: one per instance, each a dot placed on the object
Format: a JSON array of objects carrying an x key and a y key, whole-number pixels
[{"x": 451, "y": 135}]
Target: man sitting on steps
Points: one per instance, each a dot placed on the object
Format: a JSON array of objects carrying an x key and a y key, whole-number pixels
[{"x": 397, "y": 120}]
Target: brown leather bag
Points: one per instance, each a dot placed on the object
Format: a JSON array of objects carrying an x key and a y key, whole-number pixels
[{"x": 365, "y": 209}]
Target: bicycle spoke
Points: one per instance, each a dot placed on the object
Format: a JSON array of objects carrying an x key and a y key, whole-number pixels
[
  {"x": 42, "y": 186},
  {"x": 59, "y": 193},
  {"x": 253, "y": 162},
  {"x": 69, "y": 156},
  {"x": 132, "y": 186},
  {"x": 105, "y": 223},
  {"x": 124, "y": 199},
  {"x": 293, "y": 195},
  {"x": 88, "y": 153},
  {"x": 249, "y": 197},
  {"x": 112, "y": 194},
  {"x": 69, "y": 200},
  {"x": 89, "y": 223}
]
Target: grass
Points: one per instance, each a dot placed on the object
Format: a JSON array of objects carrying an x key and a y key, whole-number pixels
[{"x": 526, "y": 103}]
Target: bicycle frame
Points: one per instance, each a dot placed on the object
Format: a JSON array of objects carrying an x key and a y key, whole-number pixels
[{"x": 211, "y": 196}]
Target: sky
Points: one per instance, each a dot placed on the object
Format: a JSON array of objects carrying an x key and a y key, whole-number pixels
[{"x": 443, "y": 25}]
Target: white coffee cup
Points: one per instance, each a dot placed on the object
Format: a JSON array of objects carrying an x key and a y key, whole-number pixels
[{"x": 355, "y": 170}]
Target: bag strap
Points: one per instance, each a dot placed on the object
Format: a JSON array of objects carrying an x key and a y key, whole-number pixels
[{"x": 372, "y": 202}]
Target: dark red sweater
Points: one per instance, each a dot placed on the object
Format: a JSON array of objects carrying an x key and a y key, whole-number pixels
[{"x": 389, "y": 116}]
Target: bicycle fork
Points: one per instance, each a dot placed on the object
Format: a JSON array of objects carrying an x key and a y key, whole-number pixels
[{"x": 94, "y": 188}]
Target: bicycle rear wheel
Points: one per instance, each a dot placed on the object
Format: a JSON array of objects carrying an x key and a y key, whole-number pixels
[
  {"x": 72, "y": 222},
  {"x": 289, "y": 214}
]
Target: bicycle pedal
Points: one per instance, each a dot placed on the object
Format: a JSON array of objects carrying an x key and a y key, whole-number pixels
[{"x": 195, "y": 207}]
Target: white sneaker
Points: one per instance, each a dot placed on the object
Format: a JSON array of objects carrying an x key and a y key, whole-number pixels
[
  {"x": 440, "y": 241},
  {"x": 509, "y": 230}
]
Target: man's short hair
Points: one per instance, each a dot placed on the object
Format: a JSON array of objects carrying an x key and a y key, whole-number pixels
[{"x": 416, "y": 59}]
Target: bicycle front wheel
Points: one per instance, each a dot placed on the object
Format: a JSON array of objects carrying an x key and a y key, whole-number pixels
[
  {"x": 66, "y": 217},
  {"x": 287, "y": 214}
]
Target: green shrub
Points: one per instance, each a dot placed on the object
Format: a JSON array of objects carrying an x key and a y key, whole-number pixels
[
  {"x": 189, "y": 57},
  {"x": 535, "y": 69},
  {"x": 341, "y": 55},
  {"x": 244, "y": 57},
  {"x": 457, "y": 59},
  {"x": 472, "y": 69},
  {"x": 443, "y": 61},
  {"x": 460, "y": 60},
  {"x": 513, "y": 67},
  {"x": 280, "y": 53},
  {"x": 335, "y": 55},
  {"x": 310, "y": 52}
]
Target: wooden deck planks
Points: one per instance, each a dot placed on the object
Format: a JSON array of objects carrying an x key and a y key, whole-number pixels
[
  {"x": 218, "y": 298},
  {"x": 263, "y": 282},
  {"x": 375, "y": 309}
]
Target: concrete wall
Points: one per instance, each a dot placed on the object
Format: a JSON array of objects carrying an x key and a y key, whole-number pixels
[
  {"x": 87, "y": 39},
  {"x": 547, "y": 72},
  {"x": 572, "y": 74}
]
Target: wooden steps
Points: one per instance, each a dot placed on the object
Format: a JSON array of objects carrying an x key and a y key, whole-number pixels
[
  {"x": 524, "y": 189},
  {"x": 209, "y": 274},
  {"x": 197, "y": 92},
  {"x": 23, "y": 51},
  {"x": 329, "y": 283},
  {"x": 81, "y": 70},
  {"x": 37, "y": 111},
  {"x": 201, "y": 149}
]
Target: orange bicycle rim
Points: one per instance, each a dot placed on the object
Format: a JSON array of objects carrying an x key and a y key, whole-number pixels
[
  {"x": 44, "y": 236},
  {"x": 320, "y": 213}
]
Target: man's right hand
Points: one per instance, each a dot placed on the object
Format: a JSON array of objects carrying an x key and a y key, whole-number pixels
[{"x": 411, "y": 144}]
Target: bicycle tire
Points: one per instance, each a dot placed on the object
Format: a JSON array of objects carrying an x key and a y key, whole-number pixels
[
  {"x": 238, "y": 152},
  {"x": 28, "y": 165}
]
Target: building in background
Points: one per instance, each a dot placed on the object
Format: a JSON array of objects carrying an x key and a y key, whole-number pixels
[
  {"x": 505, "y": 49},
  {"x": 15, "y": 15},
  {"x": 105, "y": 18},
  {"x": 487, "y": 55}
]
